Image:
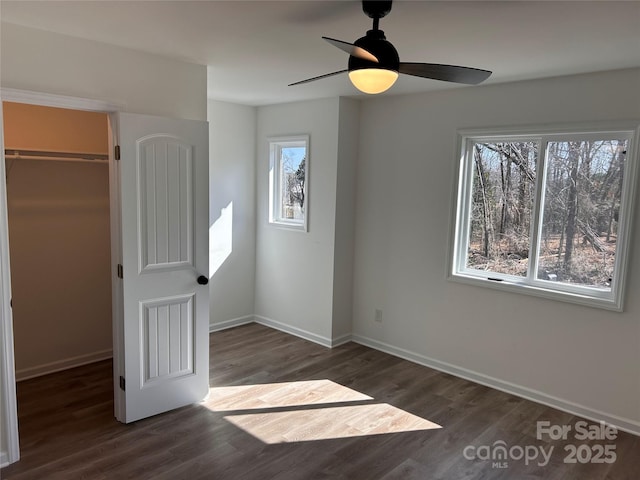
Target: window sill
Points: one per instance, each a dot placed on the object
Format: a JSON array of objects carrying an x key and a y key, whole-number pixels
[
  {"x": 298, "y": 227},
  {"x": 608, "y": 302}
]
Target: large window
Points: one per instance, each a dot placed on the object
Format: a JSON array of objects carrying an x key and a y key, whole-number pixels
[
  {"x": 288, "y": 181},
  {"x": 547, "y": 212}
]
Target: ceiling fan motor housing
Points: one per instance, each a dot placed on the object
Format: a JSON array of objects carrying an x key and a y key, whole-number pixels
[
  {"x": 375, "y": 43},
  {"x": 376, "y": 8}
]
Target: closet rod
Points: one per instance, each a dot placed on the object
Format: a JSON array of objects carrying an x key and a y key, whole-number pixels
[{"x": 62, "y": 156}]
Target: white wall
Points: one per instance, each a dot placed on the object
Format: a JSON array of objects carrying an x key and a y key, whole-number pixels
[
  {"x": 304, "y": 279},
  {"x": 232, "y": 150},
  {"x": 348, "y": 139},
  {"x": 294, "y": 269},
  {"x": 586, "y": 357},
  {"x": 142, "y": 83}
]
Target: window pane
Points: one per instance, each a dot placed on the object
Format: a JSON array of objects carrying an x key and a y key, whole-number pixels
[
  {"x": 583, "y": 188},
  {"x": 504, "y": 177},
  {"x": 292, "y": 187}
]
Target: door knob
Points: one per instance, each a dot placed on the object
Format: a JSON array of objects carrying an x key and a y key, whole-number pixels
[{"x": 202, "y": 280}]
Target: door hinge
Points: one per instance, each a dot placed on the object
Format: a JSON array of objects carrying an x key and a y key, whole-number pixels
[
  {"x": 117, "y": 152},
  {"x": 122, "y": 383},
  {"x": 120, "y": 271}
]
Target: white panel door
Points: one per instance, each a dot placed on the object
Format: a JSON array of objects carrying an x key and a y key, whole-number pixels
[{"x": 164, "y": 230}]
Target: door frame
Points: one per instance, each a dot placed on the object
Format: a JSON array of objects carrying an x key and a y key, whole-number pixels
[{"x": 7, "y": 377}]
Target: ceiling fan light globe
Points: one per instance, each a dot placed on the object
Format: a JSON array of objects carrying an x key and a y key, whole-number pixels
[{"x": 373, "y": 80}]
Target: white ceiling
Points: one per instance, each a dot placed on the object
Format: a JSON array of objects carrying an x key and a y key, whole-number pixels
[{"x": 253, "y": 49}]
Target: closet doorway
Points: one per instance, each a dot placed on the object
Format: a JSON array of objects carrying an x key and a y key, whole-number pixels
[{"x": 59, "y": 236}]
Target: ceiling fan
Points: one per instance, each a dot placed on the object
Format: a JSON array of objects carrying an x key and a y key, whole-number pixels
[{"x": 374, "y": 63}]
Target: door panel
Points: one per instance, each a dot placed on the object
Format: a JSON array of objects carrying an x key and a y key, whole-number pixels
[
  {"x": 164, "y": 223},
  {"x": 166, "y": 203},
  {"x": 168, "y": 342}
]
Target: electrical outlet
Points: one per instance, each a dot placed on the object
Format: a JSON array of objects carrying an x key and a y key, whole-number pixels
[{"x": 378, "y": 317}]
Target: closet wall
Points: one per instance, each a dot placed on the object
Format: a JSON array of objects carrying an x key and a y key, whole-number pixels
[{"x": 59, "y": 239}]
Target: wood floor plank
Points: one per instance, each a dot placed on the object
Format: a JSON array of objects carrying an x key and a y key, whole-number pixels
[{"x": 282, "y": 408}]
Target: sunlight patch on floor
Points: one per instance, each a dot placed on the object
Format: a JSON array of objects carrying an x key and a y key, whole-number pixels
[
  {"x": 329, "y": 423},
  {"x": 273, "y": 395},
  {"x": 333, "y": 411}
]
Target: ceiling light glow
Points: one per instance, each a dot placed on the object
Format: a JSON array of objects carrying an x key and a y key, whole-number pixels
[{"x": 373, "y": 80}]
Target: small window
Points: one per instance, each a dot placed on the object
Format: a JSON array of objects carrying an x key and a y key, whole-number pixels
[
  {"x": 547, "y": 212},
  {"x": 288, "y": 181}
]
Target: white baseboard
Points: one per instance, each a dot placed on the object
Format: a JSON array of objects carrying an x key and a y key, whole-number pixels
[
  {"x": 59, "y": 365},
  {"x": 341, "y": 340},
  {"x": 234, "y": 322},
  {"x": 298, "y": 332},
  {"x": 624, "y": 424},
  {"x": 268, "y": 322}
]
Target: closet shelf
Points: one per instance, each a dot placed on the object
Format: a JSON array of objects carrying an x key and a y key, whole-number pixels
[{"x": 55, "y": 156}]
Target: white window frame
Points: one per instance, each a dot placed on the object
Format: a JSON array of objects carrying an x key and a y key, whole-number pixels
[
  {"x": 276, "y": 144},
  {"x": 611, "y": 299}
]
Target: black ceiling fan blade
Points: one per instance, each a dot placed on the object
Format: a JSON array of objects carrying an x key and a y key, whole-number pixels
[
  {"x": 447, "y": 73},
  {"x": 352, "y": 49},
  {"x": 318, "y": 78}
]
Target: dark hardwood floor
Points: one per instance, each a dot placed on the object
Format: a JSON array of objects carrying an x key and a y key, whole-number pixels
[{"x": 283, "y": 408}]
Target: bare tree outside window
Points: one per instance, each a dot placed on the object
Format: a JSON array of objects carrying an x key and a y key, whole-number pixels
[
  {"x": 293, "y": 178},
  {"x": 581, "y": 202},
  {"x": 580, "y": 219},
  {"x": 502, "y": 204},
  {"x": 550, "y": 212},
  {"x": 288, "y": 181}
]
